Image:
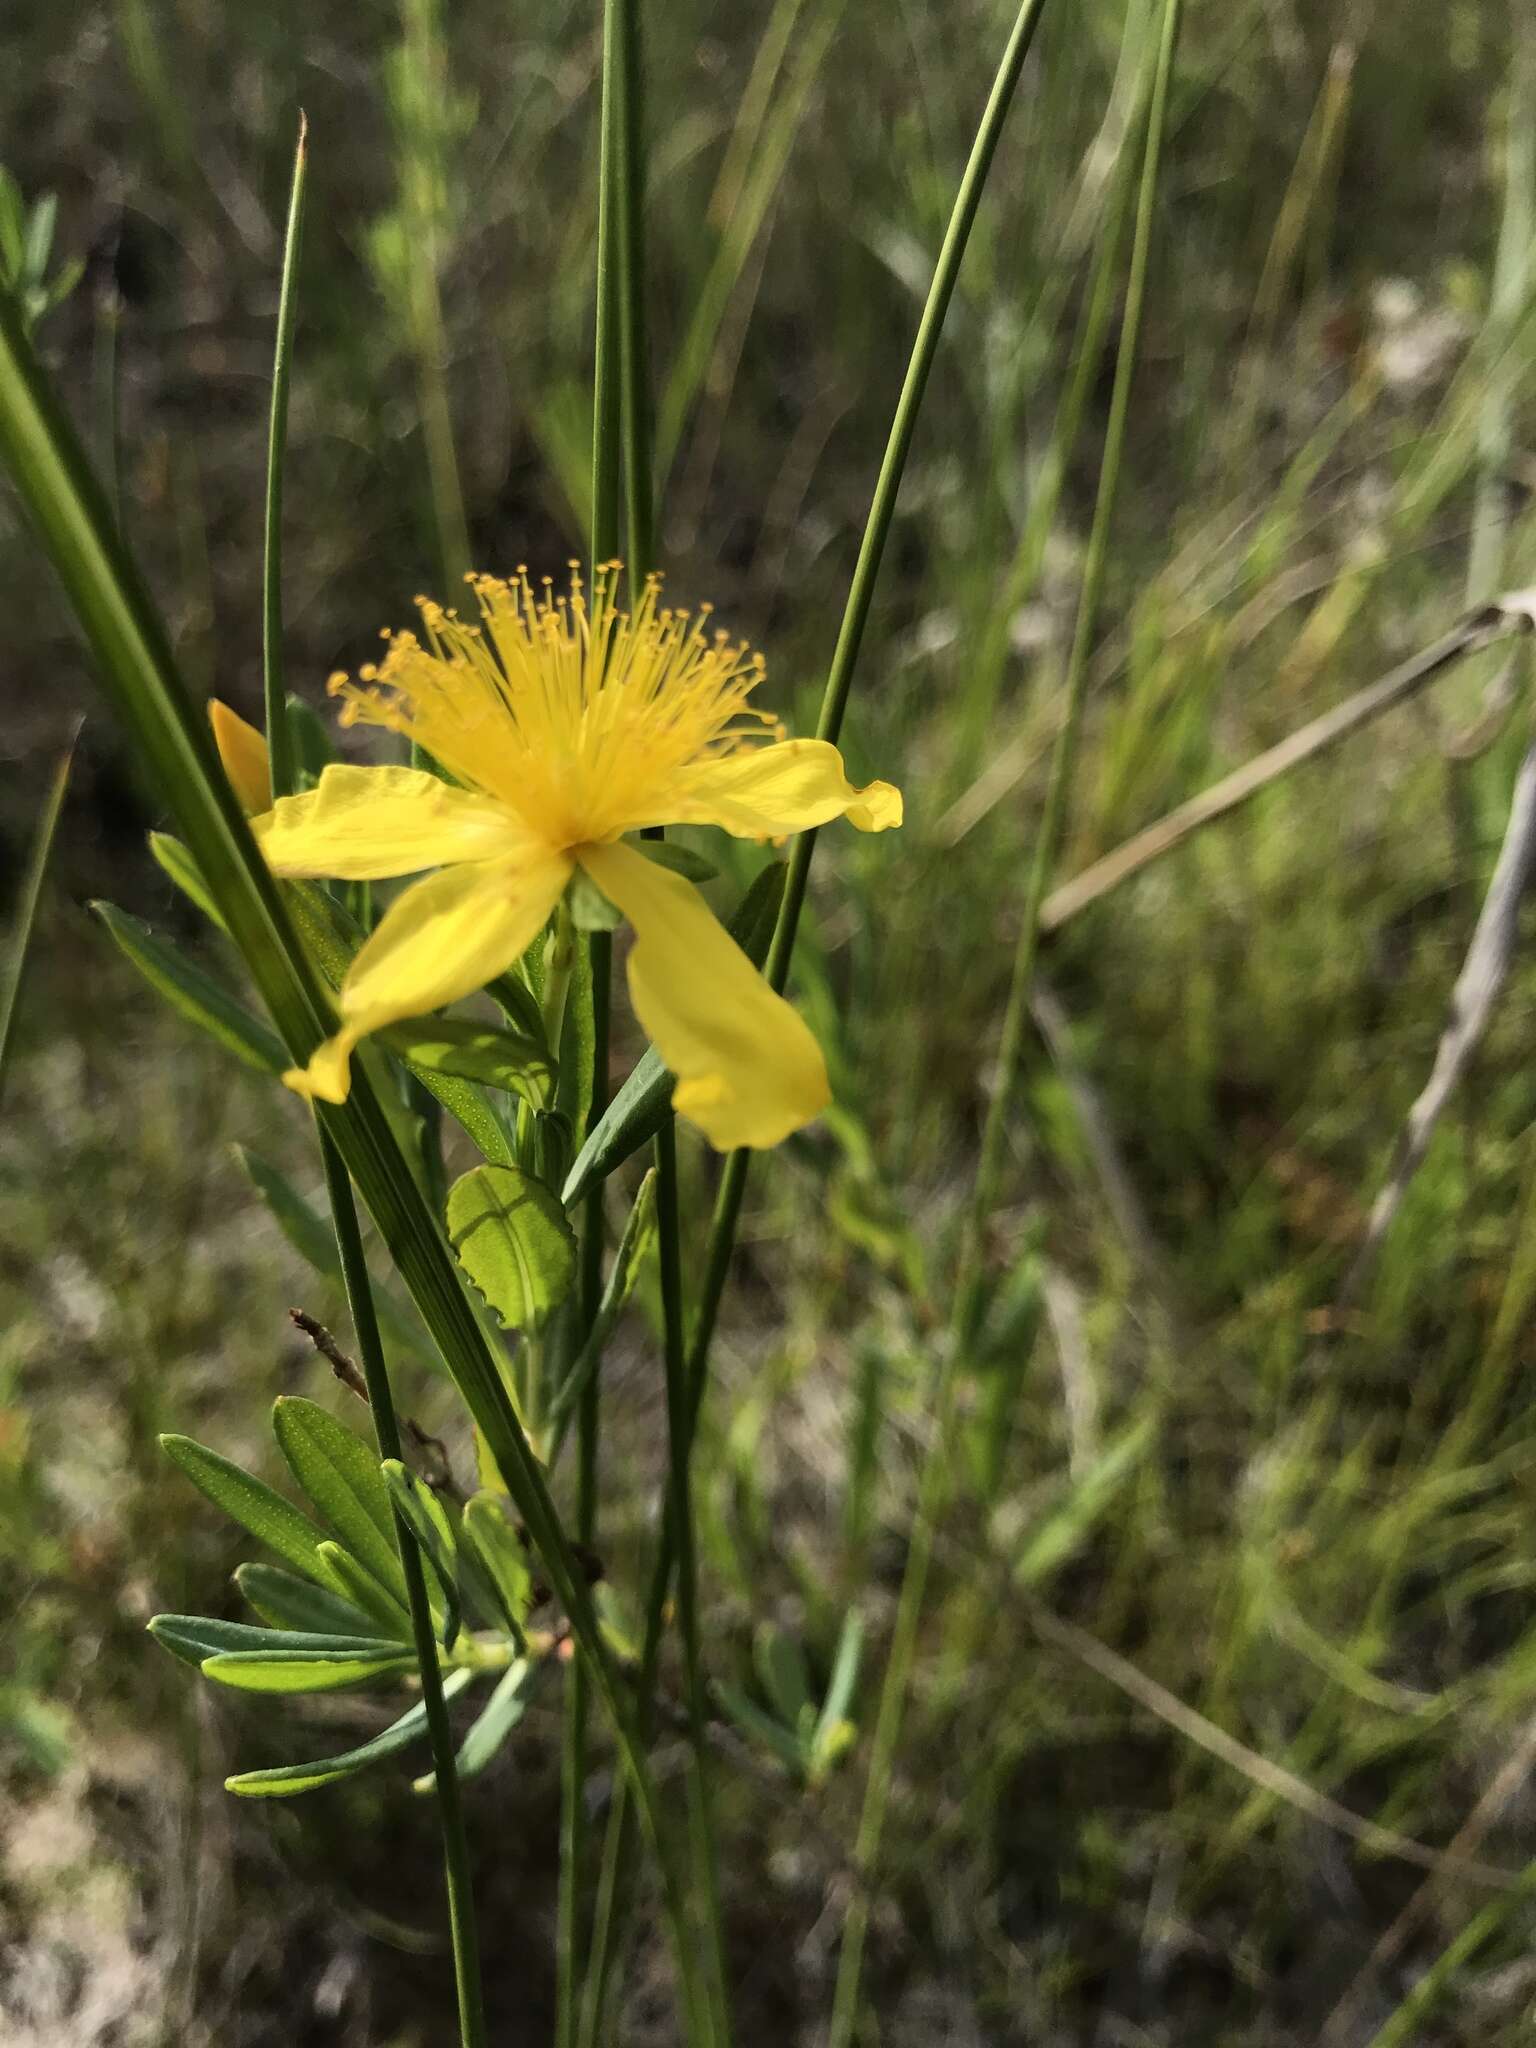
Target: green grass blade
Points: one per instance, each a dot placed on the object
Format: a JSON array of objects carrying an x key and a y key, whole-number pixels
[
  {"x": 196, "y": 995},
  {"x": 31, "y": 897},
  {"x": 284, "y": 1781},
  {"x": 279, "y": 730}
]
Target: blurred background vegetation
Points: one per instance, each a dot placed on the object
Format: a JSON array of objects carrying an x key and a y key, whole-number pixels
[{"x": 1189, "y": 1541}]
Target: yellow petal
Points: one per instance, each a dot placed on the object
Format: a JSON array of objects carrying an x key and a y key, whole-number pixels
[
  {"x": 243, "y": 752},
  {"x": 361, "y": 824},
  {"x": 766, "y": 792},
  {"x": 444, "y": 938},
  {"x": 748, "y": 1070}
]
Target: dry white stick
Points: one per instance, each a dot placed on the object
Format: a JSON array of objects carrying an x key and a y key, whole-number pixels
[
  {"x": 1514, "y": 612},
  {"x": 1483, "y": 974}
]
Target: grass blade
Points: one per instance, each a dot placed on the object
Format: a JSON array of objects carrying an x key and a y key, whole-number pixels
[
  {"x": 280, "y": 745},
  {"x": 31, "y": 897}
]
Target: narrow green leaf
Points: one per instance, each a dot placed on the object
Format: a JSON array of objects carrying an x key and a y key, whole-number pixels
[
  {"x": 196, "y": 1637},
  {"x": 498, "y": 1548},
  {"x": 845, "y": 1674},
  {"x": 299, "y": 1221},
  {"x": 363, "y": 1590},
  {"x": 782, "y": 1672},
  {"x": 573, "y": 1084},
  {"x": 285, "y": 1781},
  {"x": 312, "y": 746},
  {"x": 341, "y": 1476},
  {"x": 280, "y": 736},
  {"x": 458, "y": 1047},
  {"x": 253, "y": 1504},
  {"x": 31, "y": 897},
  {"x": 1068, "y": 1526},
  {"x": 513, "y": 1240},
  {"x": 176, "y": 862},
  {"x": 198, "y": 997},
  {"x": 428, "y": 1522},
  {"x": 641, "y": 1106},
  {"x": 254, "y": 1671},
  {"x": 520, "y": 1006},
  {"x": 761, "y": 1727},
  {"x": 495, "y": 1721},
  {"x": 311, "y": 1237},
  {"x": 634, "y": 1248},
  {"x": 289, "y": 1602}
]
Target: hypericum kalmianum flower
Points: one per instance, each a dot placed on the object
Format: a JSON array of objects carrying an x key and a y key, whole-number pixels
[{"x": 564, "y": 729}]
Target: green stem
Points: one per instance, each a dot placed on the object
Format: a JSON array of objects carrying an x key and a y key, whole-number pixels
[
  {"x": 681, "y": 1410},
  {"x": 634, "y": 347},
  {"x": 967, "y": 1295},
  {"x": 386, "y": 1429},
  {"x": 571, "y": 1990},
  {"x": 279, "y": 733}
]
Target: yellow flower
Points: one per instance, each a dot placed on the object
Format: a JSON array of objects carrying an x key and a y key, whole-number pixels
[{"x": 564, "y": 729}]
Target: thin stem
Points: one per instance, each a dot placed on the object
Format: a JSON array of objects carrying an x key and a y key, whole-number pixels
[
  {"x": 680, "y": 1419},
  {"x": 279, "y": 734},
  {"x": 967, "y": 1295},
  {"x": 634, "y": 346},
  {"x": 365, "y": 1323},
  {"x": 573, "y": 1987}
]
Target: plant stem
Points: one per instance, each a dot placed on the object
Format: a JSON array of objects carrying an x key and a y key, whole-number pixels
[
  {"x": 279, "y": 734},
  {"x": 681, "y": 1410},
  {"x": 634, "y": 346},
  {"x": 967, "y": 1295},
  {"x": 450, "y": 1806},
  {"x": 606, "y": 459}
]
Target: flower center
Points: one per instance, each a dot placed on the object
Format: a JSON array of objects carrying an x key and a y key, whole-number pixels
[{"x": 581, "y": 721}]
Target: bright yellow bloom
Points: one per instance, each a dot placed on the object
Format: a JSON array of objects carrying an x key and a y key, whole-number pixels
[
  {"x": 564, "y": 730},
  {"x": 243, "y": 751}
]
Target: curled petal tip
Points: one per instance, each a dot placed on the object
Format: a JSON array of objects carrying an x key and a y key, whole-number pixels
[
  {"x": 878, "y": 809},
  {"x": 328, "y": 1077}
]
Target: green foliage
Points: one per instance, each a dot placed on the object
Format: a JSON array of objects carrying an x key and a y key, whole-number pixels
[
  {"x": 513, "y": 1240},
  {"x": 26, "y": 252},
  {"x": 196, "y": 995},
  {"x": 807, "y": 1740}
]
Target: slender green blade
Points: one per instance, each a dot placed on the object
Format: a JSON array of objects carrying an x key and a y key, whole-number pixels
[
  {"x": 284, "y": 1781},
  {"x": 31, "y": 897},
  {"x": 486, "y": 1531},
  {"x": 198, "y": 997},
  {"x": 341, "y": 1476},
  {"x": 256, "y": 1671},
  {"x": 364, "y": 1590},
  {"x": 253, "y": 1504},
  {"x": 174, "y": 861},
  {"x": 427, "y": 1520},
  {"x": 280, "y": 737},
  {"x": 495, "y": 1722},
  {"x": 287, "y": 1601},
  {"x": 196, "y": 1637}
]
